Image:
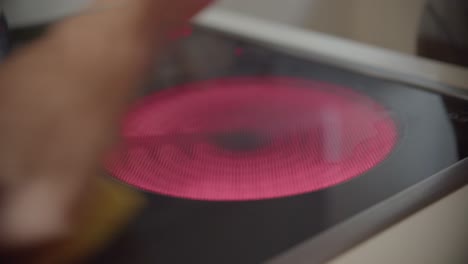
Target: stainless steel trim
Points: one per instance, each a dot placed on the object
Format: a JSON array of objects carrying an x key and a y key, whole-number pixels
[
  {"x": 335, "y": 241},
  {"x": 427, "y": 74}
]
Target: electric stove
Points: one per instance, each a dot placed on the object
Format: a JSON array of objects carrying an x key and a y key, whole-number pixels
[{"x": 248, "y": 153}]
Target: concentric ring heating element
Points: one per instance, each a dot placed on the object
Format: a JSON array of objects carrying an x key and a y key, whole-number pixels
[{"x": 251, "y": 138}]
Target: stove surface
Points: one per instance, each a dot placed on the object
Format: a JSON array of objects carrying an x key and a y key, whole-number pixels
[{"x": 213, "y": 225}]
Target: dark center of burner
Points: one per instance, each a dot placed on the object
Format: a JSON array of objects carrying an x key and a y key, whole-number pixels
[{"x": 240, "y": 141}]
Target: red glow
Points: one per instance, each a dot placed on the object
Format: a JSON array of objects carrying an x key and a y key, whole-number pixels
[
  {"x": 183, "y": 32},
  {"x": 323, "y": 135},
  {"x": 239, "y": 51}
]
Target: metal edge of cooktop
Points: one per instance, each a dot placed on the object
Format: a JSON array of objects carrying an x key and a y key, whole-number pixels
[
  {"x": 344, "y": 236},
  {"x": 423, "y": 73}
]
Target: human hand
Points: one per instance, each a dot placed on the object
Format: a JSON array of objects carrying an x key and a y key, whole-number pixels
[{"x": 60, "y": 102}]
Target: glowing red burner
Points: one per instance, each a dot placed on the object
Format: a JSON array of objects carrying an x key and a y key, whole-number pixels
[{"x": 251, "y": 138}]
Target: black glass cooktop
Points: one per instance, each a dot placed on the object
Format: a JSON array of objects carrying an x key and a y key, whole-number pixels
[{"x": 430, "y": 135}]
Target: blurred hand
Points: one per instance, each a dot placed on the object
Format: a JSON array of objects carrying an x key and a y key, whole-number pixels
[{"x": 60, "y": 102}]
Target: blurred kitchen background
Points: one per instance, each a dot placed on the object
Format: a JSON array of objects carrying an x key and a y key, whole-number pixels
[{"x": 390, "y": 24}]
